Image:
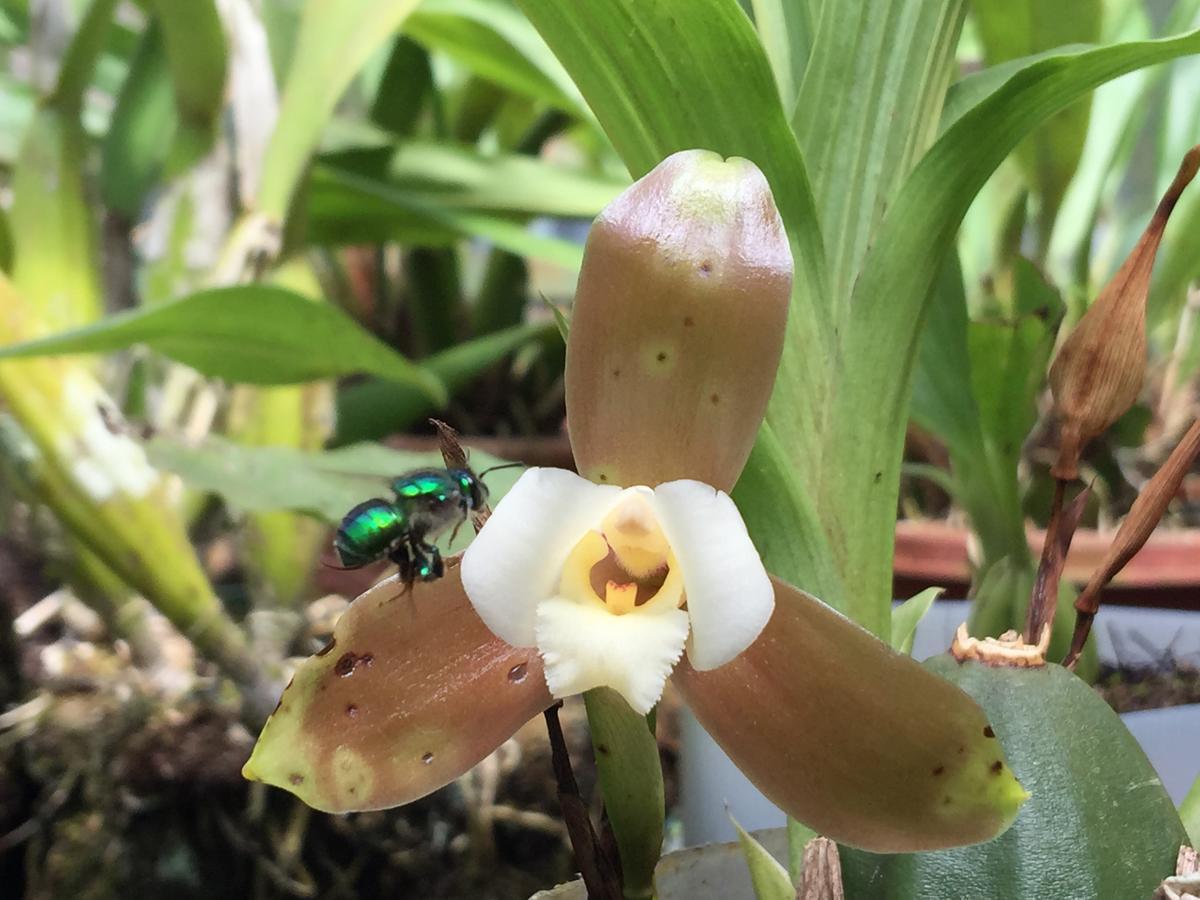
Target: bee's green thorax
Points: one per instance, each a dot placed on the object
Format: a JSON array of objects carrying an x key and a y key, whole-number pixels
[{"x": 431, "y": 484}]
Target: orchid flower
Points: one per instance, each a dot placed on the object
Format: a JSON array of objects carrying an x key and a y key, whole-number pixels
[{"x": 640, "y": 569}]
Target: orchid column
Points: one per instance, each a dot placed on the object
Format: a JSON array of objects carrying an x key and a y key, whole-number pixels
[{"x": 640, "y": 566}]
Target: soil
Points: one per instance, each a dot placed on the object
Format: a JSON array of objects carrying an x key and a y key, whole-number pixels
[
  {"x": 117, "y": 783},
  {"x": 1126, "y": 690}
]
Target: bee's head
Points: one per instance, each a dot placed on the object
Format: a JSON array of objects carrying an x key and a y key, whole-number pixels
[{"x": 473, "y": 488}]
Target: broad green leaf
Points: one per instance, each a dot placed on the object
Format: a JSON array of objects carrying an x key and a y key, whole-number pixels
[
  {"x": 653, "y": 100},
  {"x": 336, "y": 39},
  {"x": 1190, "y": 813},
  {"x": 347, "y": 208},
  {"x": 860, "y": 478},
  {"x": 908, "y": 615},
  {"x": 375, "y": 409},
  {"x": 253, "y": 334},
  {"x": 770, "y": 879},
  {"x": 135, "y": 148},
  {"x": 868, "y": 109},
  {"x": 492, "y": 39},
  {"x": 786, "y": 28},
  {"x": 194, "y": 40},
  {"x": 1010, "y": 30},
  {"x": 631, "y": 780}
]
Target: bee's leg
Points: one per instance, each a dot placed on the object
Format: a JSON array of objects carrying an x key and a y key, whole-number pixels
[
  {"x": 429, "y": 565},
  {"x": 402, "y": 555}
]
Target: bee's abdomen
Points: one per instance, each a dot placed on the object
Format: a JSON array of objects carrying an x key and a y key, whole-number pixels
[{"x": 368, "y": 532}]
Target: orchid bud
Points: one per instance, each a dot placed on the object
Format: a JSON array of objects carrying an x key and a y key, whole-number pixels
[
  {"x": 1098, "y": 372},
  {"x": 678, "y": 325}
]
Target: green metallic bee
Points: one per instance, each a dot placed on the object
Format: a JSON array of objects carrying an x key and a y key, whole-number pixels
[{"x": 427, "y": 502}]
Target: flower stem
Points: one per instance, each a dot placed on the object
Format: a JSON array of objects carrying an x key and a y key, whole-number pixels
[{"x": 600, "y": 875}]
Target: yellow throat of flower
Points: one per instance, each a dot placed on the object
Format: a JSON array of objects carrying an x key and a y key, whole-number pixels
[{"x": 629, "y": 558}]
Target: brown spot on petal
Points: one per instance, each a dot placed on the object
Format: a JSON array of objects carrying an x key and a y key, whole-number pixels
[
  {"x": 518, "y": 672},
  {"x": 296, "y": 778},
  {"x": 688, "y": 321},
  {"x": 987, "y": 732},
  {"x": 715, "y": 398},
  {"x": 939, "y": 770},
  {"x": 351, "y": 710},
  {"x": 997, "y": 767}
]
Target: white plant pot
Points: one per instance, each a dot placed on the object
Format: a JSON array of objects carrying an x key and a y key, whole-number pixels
[{"x": 712, "y": 788}]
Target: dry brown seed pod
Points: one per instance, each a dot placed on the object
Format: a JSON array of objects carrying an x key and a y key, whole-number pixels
[{"x": 1098, "y": 372}]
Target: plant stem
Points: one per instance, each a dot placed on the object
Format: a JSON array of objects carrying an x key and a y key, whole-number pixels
[
  {"x": 1041, "y": 602},
  {"x": 599, "y": 872}
]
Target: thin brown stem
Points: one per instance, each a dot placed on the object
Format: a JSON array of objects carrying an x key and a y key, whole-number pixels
[
  {"x": 601, "y": 876},
  {"x": 1144, "y": 515}
]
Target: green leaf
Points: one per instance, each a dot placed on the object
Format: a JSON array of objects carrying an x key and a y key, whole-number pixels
[
  {"x": 769, "y": 878},
  {"x": 461, "y": 177},
  {"x": 786, "y": 28},
  {"x": 194, "y": 40},
  {"x": 134, "y": 149},
  {"x": 1072, "y": 752},
  {"x": 908, "y": 615},
  {"x": 630, "y": 774},
  {"x": 79, "y": 63},
  {"x": 55, "y": 264},
  {"x": 347, "y": 208},
  {"x": 336, "y": 39},
  {"x": 1190, "y": 813},
  {"x": 873, "y": 65},
  {"x": 860, "y": 478},
  {"x": 374, "y": 409},
  {"x": 406, "y": 81},
  {"x": 253, "y": 334},
  {"x": 493, "y": 40},
  {"x": 1011, "y": 30}
]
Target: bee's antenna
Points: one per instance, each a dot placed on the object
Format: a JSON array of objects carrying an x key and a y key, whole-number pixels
[{"x": 502, "y": 466}]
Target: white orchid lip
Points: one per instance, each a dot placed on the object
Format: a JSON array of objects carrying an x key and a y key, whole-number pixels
[{"x": 612, "y": 584}]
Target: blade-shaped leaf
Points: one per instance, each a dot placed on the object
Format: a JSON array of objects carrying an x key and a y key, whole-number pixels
[
  {"x": 336, "y": 38},
  {"x": 253, "y": 334},
  {"x": 859, "y": 479},
  {"x": 851, "y": 738},
  {"x": 1190, "y": 813},
  {"x": 874, "y": 65},
  {"x": 194, "y": 40},
  {"x": 492, "y": 39},
  {"x": 770, "y": 879},
  {"x": 786, "y": 28},
  {"x": 134, "y": 149},
  {"x": 347, "y": 208},
  {"x": 1009, "y": 30},
  {"x": 55, "y": 265},
  {"x": 908, "y": 615},
  {"x": 411, "y": 692}
]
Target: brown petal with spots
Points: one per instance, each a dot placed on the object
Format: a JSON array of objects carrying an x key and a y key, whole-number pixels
[
  {"x": 855, "y": 740},
  {"x": 412, "y": 692},
  {"x": 678, "y": 324}
]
